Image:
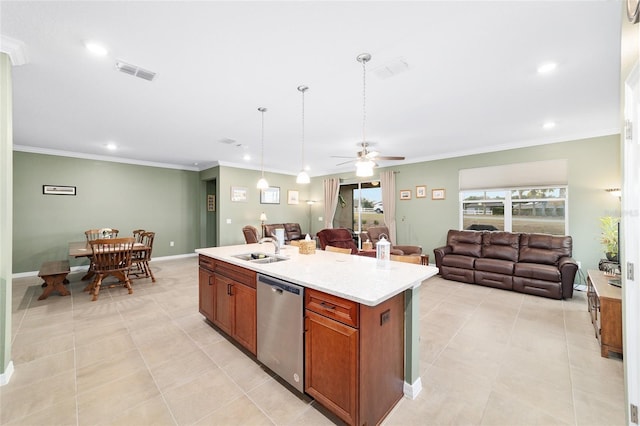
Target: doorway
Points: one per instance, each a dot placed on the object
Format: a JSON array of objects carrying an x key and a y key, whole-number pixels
[{"x": 359, "y": 207}]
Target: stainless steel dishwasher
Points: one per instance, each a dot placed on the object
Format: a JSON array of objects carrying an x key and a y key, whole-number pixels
[{"x": 280, "y": 329}]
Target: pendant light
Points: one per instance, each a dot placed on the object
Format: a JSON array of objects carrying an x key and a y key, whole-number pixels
[
  {"x": 364, "y": 166},
  {"x": 303, "y": 177},
  {"x": 262, "y": 183}
]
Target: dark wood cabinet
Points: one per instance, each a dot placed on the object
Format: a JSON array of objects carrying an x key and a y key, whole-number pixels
[
  {"x": 206, "y": 289},
  {"x": 354, "y": 356},
  {"x": 228, "y": 300},
  {"x": 605, "y": 306}
]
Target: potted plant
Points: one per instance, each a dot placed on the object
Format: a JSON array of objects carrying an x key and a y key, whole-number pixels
[{"x": 609, "y": 237}]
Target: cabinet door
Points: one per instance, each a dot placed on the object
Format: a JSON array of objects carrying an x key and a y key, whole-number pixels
[
  {"x": 331, "y": 365},
  {"x": 244, "y": 313},
  {"x": 206, "y": 293},
  {"x": 223, "y": 303}
]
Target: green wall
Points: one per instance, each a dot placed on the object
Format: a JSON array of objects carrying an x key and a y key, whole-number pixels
[
  {"x": 109, "y": 195},
  {"x": 173, "y": 202},
  {"x": 594, "y": 165},
  {"x": 248, "y": 213}
]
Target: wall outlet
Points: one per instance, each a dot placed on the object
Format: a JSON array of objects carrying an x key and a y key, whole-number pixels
[
  {"x": 171, "y": 244},
  {"x": 228, "y": 221},
  {"x": 579, "y": 264},
  {"x": 320, "y": 219}
]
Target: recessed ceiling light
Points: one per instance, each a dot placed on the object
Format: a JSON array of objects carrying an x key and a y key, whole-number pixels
[
  {"x": 96, "y": 48},
  {"x": 112, "y": 146},
  {"x": 549, "y": 125},
  {"x": 547, "y": 68},
  {"x": 246, "y": 157}
]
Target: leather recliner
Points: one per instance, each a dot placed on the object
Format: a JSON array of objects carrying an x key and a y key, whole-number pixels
[
  {"x": 338, "y": 237},
  {"x": 374, "y": 233}
]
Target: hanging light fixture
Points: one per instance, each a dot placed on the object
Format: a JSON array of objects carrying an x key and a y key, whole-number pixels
[
  {"x": 303, "y": 177},
  {"x": 262, "y": 183},
  {"x": 364, "y": 166}
]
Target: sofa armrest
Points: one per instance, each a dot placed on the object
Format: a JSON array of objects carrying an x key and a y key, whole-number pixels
[
  {"x": 408, "y": 249},
  {"x": 439, "y": 253},
  {"x": 568, "y": 269}
]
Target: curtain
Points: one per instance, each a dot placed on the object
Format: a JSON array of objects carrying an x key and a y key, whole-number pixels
[
  {"x": 331, "y": 189},
  {"x": 388, "y": 187}
]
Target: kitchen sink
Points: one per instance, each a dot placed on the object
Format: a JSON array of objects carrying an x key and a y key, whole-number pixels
[{"x": 259, "y": 257}]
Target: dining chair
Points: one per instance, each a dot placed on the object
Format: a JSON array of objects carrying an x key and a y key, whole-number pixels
[
  {"x": 140, "y": 258},
  {"x": 137, "y": 234},
  {"x": 94, "y": 234},
  {"x": 407, "y": 259},
  {"x": 337, "y": 249},
  {"x": 111, "y": 256}
]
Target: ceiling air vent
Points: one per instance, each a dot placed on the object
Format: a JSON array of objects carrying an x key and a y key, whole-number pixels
[{"x": 135, "y": 71}]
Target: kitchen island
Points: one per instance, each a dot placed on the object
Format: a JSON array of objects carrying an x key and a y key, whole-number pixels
[{"x": 358, "y": 361}]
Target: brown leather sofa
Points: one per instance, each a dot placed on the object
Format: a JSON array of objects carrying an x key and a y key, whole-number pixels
[
  {"x": 292, "y": 231},
  {"x": 537, "y": 264},
  {"x": 374, "y": 233},
  {"x": 337, "y": 237}
]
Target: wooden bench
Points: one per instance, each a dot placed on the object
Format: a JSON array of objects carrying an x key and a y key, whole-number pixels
[{"x": 54, "y": 273}]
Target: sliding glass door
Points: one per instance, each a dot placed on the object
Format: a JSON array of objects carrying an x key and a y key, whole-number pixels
[{"x": 359, "y": 207}]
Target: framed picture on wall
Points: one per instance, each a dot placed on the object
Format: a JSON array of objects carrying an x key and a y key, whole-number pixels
[
  {"x": 239, "y": 194},
  {"x": 437, "y": 194},
  {"x": 293, "y": 197},
  {"x": 270, "y": 195},
  {"x": 405, "y": 194},
  {"x": 211, "y": 203},
  {"x": 58, "y": 190},
  {"x": 421, "y": 191}
]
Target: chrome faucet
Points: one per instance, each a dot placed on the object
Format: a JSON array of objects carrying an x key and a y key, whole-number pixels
[{"x": 275, "y": 243}]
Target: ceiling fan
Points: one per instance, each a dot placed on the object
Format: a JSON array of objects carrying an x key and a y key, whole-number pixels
[
  {"x": 365, "y": 159},
  {"x": 367, "y": 154}
]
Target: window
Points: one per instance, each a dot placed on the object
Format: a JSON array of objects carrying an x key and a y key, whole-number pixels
[{"x": 539, "y": 210}]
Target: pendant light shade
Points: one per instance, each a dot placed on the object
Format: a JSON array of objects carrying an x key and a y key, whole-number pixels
[
  {"x": 262, "y": 183},
  {"x": 303, "y": 177}
]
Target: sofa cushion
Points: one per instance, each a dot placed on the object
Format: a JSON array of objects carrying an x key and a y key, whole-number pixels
[
  {"x": 458, "y": 261},
  {"x": 293, "y": 231},
  {"x": 494, "y": 265},
  {"x": 501, "y": 245},
  {"x": 537, "y": 271},
  {"x": 542, "y": 248},
  {"x": 466, "y": 243}
]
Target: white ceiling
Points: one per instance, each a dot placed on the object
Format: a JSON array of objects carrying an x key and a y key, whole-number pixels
[{"x": 471, "y": 84}]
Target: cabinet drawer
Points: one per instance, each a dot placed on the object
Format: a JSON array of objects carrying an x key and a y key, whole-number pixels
[
  {"x": 337, "y": 308},
  {"x": 206, "y": 262},
  {"x": 237, "y": 273}
]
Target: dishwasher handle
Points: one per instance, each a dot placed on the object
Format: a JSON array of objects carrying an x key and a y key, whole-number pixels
[{"x": 279, "y": 285}]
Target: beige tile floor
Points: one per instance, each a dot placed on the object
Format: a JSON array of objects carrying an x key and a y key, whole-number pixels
[{"x": 488, "y": 357}]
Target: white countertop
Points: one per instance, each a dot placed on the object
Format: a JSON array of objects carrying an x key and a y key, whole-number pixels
[{"x": 357, "y": 278}]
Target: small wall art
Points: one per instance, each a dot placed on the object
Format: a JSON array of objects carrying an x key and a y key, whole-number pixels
[
  {"x": 270, "y": 195},
  {"x": 293, "y": 197},
  {"x": 405, "y": 194},
  {"x": 58, "y": 190},
  {"x": 421, "y": 191},
  {"x": 239, "y": 194},
  {"x": 437, "y": 194},
  {"x": 211, "y": 203}
]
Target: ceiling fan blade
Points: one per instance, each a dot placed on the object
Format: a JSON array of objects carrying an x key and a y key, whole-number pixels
[
  {"x": 346, "y": 162},
  {"x": 388, "y": 157},
  {"x": 342, "y": 156}
]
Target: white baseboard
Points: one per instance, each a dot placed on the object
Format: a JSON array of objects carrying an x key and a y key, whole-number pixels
[
  {"x": 84, "y": 267},
  {"x": 6, "y": 376},
  {"x": 412, "y": 391}
]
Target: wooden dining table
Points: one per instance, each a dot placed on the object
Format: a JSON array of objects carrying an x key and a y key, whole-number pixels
[{"x": 80, "y": 249}]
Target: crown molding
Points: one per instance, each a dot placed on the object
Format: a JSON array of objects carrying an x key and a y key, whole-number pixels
[{"x": 16, "y": 50}]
